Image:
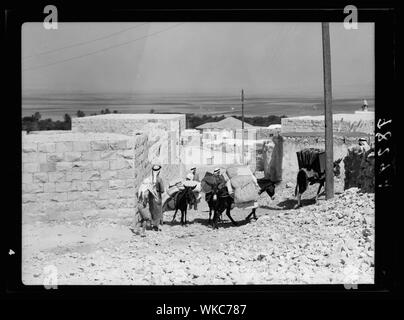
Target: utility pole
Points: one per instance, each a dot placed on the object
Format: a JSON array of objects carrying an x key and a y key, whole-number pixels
[
  {"x": 242, "y": 126},
  {"x": 329, "y": 162}
]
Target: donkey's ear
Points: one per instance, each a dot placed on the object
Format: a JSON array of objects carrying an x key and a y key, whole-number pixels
[
  {"x": 338, "y": 161},
  {"x": 192, "y": 188}
]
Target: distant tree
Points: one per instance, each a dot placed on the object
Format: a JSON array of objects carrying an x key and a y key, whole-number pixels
[
  {"x": 151, "y": 110},
  {"x": 80, "y": 114},
  {"x": 67, "y": 124},
  {"x": 67, "y": 118},
  {"x": 36, "y": 116},
  {"x": 115, "y": 111},
  {"x": 107, "y": 111}
]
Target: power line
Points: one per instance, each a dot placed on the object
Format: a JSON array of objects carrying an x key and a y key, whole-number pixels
[
  {"x": 102, "y": 50},
  {"x": 83, "y": 43}
]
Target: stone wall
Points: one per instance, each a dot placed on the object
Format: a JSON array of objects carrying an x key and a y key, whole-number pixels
[
  {"x": 163, "y": 131},
  {"x": 343, "y": 123},
  {"x": 73, "y": 175}
]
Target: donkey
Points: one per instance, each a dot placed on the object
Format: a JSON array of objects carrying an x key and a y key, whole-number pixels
[
  {"x": 219, "y": 200},
  {"x": 305, "y": 177},
  {"x": 184, "y": 198}
]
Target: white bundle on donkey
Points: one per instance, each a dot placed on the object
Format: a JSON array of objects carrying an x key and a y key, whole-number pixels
[{"x": 245, "y": 186}]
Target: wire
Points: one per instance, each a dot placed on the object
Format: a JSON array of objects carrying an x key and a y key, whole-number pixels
[
  {"x": 82, "y": 43},
  {"x": 102, "y": 50}
]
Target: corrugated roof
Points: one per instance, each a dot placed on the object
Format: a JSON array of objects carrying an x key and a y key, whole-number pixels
[{"x": 228, "y": 123}]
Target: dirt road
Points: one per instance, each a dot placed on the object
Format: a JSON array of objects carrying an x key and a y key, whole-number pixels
[{"x": 328, "y": 242}]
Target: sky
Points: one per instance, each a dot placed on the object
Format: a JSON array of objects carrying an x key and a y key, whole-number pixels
[{"x": 196, "y": 58}]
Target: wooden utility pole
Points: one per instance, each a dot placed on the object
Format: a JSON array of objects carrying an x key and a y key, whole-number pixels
[
  {"x": 242, "y": 126},
  {"x": 329, "y": 163}
]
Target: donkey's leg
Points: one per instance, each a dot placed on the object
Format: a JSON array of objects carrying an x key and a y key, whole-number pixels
[
  {"x": 175, "y": 214},
  {"x": 299, "y": 197},
  {"x": 228, "y": 208},
  {"x": 210, "y": 213},
  {"x": 215, "y": 218},
  {"x": 319, "y": 189},
  {"x": 253, "y": 213}
]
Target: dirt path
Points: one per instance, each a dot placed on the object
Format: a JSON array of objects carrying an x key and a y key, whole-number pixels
[{"x": 309, "y": 245}]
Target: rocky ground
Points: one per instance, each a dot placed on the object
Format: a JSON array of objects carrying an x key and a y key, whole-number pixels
[{"x": 328, "y": 242}]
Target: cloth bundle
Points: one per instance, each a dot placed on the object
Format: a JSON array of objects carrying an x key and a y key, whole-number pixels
[
  {"x": 311, "y": 159},
  {"x": 244, "y": 184}
]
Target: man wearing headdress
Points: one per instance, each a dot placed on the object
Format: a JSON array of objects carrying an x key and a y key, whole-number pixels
[{"x": 155, "y": 200}]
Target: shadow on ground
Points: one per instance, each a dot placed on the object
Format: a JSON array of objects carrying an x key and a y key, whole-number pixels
[{"x": 291, "y": 203}]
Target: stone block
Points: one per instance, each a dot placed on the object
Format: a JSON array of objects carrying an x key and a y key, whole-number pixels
[
  {"x": 64, "y": 166},
  {"x": 30, "y": 167},
  {"x": 64, "y": 146},
  {"x": 118, "y": 145},
  {"x": 32, "y": 187},
  {"x": 49, "y": 187},
  {"x": 117, "y": 184},
  {"x": 108, "y": 155},
  {"x": 82, "y": 165},
  {"x": 91, "y": 175},
  {"x": 75, "y": 195},
  {"x": 108, "y": 194},
  {"x": 99, "y": 185},
  {"x": 81, "y": 146},
  {"x": 119, "y": 164},
  {"x": 63, "y": 186},
  {"x": 27, "y": 178},
  {"x": 99, "y": 145},
  {"x": 29, "y": 198},
  {"x": 55, "y": 157},
  {"x": 41, "y": 177},
  {"x": 47, "y": 147},
  {"x": 89, "y": 195},
  {"x": 29, "y": 147},
  {"x": 126, "y": 174},
  {"x": 56, "y": 176},
  {"x": 107, "y": 175},
  {"x": 74, "y": 175},
  {"x": 127, "y": 154},
  {"x": 91, "y": 156},
  {"x": 47, "y": 167},
  {"x": 101, "y": 165},
  {"x": 72, "y": 156}
]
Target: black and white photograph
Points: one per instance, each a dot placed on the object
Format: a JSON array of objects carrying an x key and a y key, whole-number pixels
[{"x": 198, "y": 153}]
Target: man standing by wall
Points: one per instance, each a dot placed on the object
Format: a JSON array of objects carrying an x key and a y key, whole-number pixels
[{"x": 155, "y": 201}]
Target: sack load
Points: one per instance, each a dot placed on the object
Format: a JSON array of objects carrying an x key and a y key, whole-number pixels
[
  {"x": 169, "y": 204},
  {"x": 173, "y": 190},
  {"x": 311, "y": 159},
  {"x": 189, "y": 183},
  {"x": 207, "y": 182},
  {"x": 238, "y": 171},
  {"x": 245, "y": 189}
]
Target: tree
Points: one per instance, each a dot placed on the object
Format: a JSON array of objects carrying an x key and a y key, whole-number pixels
[
  {"x": 80, "y": 114},
  {"x": 151, "y": 110},
  {"x": 115, "y": 111},
  {"x": 67, "y": 118},
  {"x": 107, "y": 111},
  {"x": 36, "y": 116}
]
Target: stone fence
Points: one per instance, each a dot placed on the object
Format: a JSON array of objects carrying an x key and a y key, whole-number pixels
[{"x": 71, "y": 175}]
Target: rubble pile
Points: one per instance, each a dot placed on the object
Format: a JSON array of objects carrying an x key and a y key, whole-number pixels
[{"x": 334, "y": 237}]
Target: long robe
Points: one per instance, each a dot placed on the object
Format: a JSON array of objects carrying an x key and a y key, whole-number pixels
[{"x": 155, "y": 204}]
